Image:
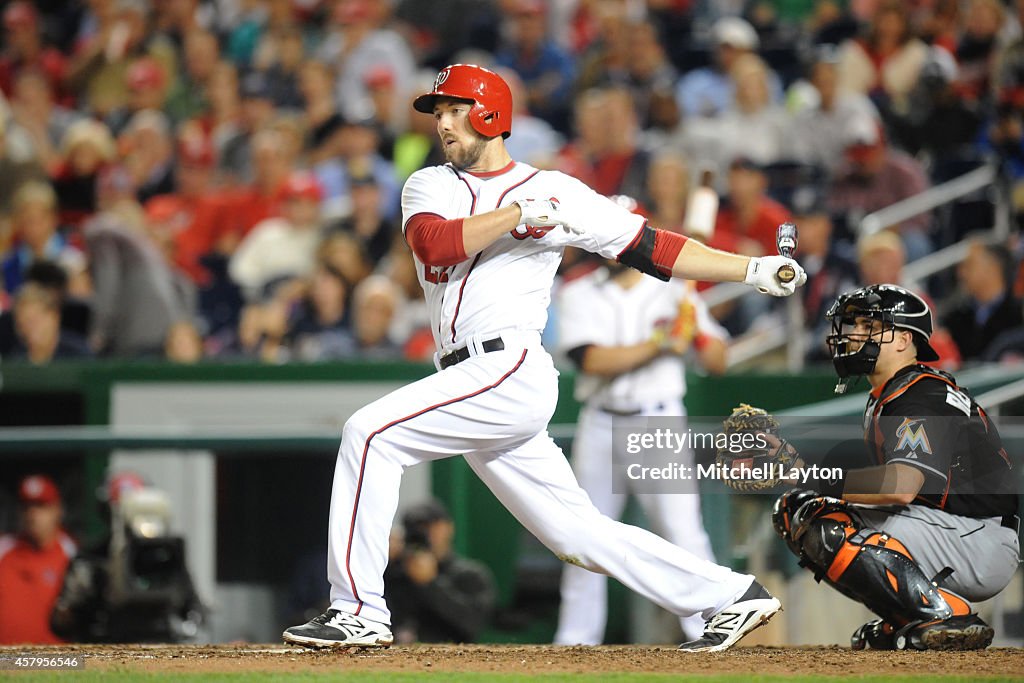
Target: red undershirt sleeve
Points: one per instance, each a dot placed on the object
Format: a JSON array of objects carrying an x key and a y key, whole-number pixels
[
  {"x": 667, "y": 246},
  {"x": 434, "y": 240}
]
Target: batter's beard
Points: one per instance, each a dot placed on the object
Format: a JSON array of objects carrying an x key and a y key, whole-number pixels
[{"x": 467, "y": 159}]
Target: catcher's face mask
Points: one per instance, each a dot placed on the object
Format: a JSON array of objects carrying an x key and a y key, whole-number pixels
[{"x": 858, "y": 331}]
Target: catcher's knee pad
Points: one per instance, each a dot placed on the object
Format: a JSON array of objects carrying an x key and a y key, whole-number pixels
[
  {"x": 870, "y": 566},
  {"x": 785, "y": 509}
]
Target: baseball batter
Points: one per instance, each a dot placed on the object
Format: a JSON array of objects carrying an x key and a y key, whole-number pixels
[
  {"x": 627, "y": 334},
  {"x": 934, "y": 524},
  {"x": 488, "y": 234}
]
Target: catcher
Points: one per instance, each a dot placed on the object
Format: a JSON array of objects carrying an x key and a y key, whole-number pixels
[{"x": 934, "y": 524}]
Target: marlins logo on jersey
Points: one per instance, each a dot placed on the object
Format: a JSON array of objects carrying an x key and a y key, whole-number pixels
[{"x": 911, "y": 437}]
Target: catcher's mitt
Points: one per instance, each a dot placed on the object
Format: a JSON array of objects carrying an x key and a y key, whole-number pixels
[{"x": 752, "y": 456}]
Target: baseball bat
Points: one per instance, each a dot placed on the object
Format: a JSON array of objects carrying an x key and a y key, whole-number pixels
[{"x": 786, "y": 239}]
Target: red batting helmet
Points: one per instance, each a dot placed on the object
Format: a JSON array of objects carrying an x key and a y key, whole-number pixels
[{"x": 491, "y": 113}]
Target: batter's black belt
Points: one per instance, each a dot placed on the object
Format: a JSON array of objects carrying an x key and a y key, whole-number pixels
[
  {"x": 460, "y": 354},
  {"x": 1011, "y": 522}
]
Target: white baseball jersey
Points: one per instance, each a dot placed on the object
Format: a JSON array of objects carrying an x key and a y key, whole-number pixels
[
  {"x": 508, "y": 284},
  {"x": 596, "y": 310}
]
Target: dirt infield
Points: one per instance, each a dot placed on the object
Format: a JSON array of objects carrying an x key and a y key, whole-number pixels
[{"x": 533, "y": 659}]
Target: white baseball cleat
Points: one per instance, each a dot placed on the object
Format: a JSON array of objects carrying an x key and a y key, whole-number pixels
[
  {"x": 725, "y": 629},
  {"x": 335, "y": 628}
]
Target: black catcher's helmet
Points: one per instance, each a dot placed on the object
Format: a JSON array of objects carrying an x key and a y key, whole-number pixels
[{"x": 893, "y": 306}]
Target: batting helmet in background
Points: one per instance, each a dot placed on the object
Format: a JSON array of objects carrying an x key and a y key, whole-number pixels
[{"x": 491, "y": 113}]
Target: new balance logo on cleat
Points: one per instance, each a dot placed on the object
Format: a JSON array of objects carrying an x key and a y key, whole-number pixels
[
  {"x": 335, "y": 628},
  {"x": 725, "y": 629}
]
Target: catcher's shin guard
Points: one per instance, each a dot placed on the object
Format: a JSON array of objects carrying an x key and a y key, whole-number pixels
[{"x": 869, "y": 566}]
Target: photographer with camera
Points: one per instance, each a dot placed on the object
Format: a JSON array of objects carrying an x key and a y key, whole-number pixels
[
  {"x": 133, "y": 586},
  {"x": 435, "y": 595}
]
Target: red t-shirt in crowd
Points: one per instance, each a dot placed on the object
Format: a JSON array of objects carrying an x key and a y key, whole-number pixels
[{"x": 30, "y": 582}]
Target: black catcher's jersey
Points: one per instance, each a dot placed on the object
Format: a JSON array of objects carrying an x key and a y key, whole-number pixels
[{"x": 923, "y": 419}]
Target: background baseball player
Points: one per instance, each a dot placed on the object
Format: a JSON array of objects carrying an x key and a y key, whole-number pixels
[
  {"x": 488, "y": 234},
  {"x": 627, "y": 334},
  {"x": 933, "y": 524}
]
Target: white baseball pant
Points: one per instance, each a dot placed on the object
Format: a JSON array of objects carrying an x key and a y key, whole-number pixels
[
  {"x": 494, "y": 409},
  {"x": 676, "y": 517}
]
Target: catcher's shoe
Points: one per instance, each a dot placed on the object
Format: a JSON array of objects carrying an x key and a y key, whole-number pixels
[
  {"x": 723, "y": 630},
  {"x": 876, "y": 634},
  {"x": 967, "y": 632},
  {"x": 335, "y": 628}
]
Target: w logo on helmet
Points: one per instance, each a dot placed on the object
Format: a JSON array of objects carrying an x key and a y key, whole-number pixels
[{"x": 442, "y": 76}]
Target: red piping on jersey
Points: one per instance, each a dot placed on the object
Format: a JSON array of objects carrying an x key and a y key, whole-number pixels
[
  {"x": 458, "y": 304},
  {"x": 366, "y": 450},
  {"x": 472, "y": 207},
  {"x": 493, "y": 174},
  {"x": 521, "y": 182},
  {"x": 434, "y": 240},
  {"x": 633, "y": 241}
]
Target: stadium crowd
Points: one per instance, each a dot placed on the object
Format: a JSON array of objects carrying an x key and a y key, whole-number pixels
[{"x": 220, "y": 179}]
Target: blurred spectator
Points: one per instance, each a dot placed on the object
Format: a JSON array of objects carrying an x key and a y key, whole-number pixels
[
  {"x": 184, "y": 344},
  {"x": 99, "y": 68},
  {"x": 223, "y": 122},
  {"x": 648, "y": 68},
  {"x": 355, "y": 145},
  {"x": 34, "y": 110},
  {"x": 753, "y": 125},
  {"x": 989, "y": 307},
  {"x": 535, "y": 142},
  {"x": 37, "y": 324},
  {"x": 24, "y": 50},
  {"x": 819, "y": 129},
  {"x": 439, "y": 29},
  {"x": 282, "y": 71},
  {"x": 667, "y": 191},
  {"x": 32, "y": 564},
  {"x": 435, "y": 595},
  {"x": 345, "y": 254},
  {"x": 147, "y": 91},
  {"x": 365, "y": 222},
  {"x": 749, "y": 218},
  {"x": 880, "y": 259},
  {"x": 75, "y": 312},
  {"x": 545, "y": 68},
  {"x": 883, "y": 64},
  {"x": 281, "y": 247},
  {"x": 708, "y": 91},
  {"x": 830, "y": 264},
  {"x": 87, "y": 149},
  {"x": 237, "y": 154},
  {"x": 34, "y": 222},
  {"x": 148, "y": 154},
  {"x": 602, "y": 43},
  {"x": 938, "y": 121},
  {"x": 175, "y": 219},
  {"x": 15, "y": 172},
  {"x": 189, "y": 96},
  {"x": 319, "y": 330},
  {"x": 605, "y": 154},
  {"x": 874, "y": 175},
  {"x": 978, "y": 47},
  {"x": 414, "y": 324},
  {"x": 375, "y": 303},
  {"x": 322, "y": 118},
  {"x": 358, "y": 45},
  {"x": 137, "y": 293}
]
